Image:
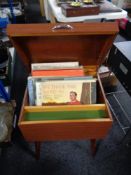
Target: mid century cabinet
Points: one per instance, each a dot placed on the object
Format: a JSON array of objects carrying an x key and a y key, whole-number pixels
[{"x": 87, "y": 43}]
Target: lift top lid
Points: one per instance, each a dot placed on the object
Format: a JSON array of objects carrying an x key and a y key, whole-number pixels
[{"x": 87, "y": 43}]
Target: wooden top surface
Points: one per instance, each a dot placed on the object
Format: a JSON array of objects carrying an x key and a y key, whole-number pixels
[
  {"x": 87, "y": 43},
  {"x": 47, "y": 29}
]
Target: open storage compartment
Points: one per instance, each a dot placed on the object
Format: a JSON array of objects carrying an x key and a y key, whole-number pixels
[{"x": 87, "y": 43}]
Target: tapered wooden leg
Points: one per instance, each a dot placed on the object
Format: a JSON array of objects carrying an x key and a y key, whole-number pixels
[
  {"x": 93, "y": 146},
  {"x": 37, "y": 150}
]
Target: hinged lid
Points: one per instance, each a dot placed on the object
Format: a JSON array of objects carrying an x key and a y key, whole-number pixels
[{"x": 87, "y": 43}]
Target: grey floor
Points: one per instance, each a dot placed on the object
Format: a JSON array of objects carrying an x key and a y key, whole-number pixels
[{"x": 113, "y": 156}]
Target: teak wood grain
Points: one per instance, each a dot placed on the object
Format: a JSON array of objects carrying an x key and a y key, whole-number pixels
[
  {"x": 87, "y": 43},
  {"x": 67, "y": 129},
  {"x": 20, "y": 30}
]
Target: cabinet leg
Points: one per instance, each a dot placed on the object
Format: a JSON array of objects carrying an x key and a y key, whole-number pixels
[
  {"x": 93, "y": 146},
  {"x": 37, "y": 150}
]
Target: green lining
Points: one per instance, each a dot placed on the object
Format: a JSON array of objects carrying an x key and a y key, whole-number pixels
[{"x": 64, "y": 115}]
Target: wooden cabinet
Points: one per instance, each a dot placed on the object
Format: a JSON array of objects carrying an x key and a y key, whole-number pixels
[{"x": 87, "y": 43}]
